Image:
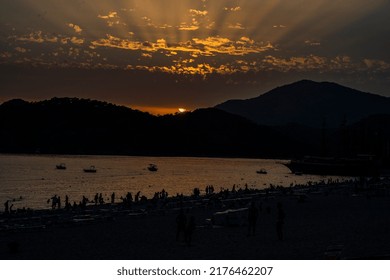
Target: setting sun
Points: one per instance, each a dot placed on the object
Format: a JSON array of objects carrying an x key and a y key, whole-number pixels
[{"x": 182, "y": 110}]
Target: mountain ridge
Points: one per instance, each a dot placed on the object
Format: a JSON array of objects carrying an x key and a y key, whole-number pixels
[
  {"x": 83, "y": 126},
  {"x": 308, "y": 103}
]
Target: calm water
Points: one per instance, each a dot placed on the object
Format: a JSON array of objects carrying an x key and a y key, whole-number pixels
[{"x": 31, "y": 180}]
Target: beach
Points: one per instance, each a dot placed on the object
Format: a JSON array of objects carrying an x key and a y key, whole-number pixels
[{"x": 328, "y": 221}]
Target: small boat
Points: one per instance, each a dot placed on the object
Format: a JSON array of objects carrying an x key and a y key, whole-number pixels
[
  {"x": 61, "y": 166},
  {"x": 152, "y": 167},
  {"x": 91, "y": 169},
  {"x": 361, "y": 165},
  {"x": 261, "y": 171}
]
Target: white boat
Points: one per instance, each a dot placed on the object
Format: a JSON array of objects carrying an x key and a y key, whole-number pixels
[
  {"x": 61, "y": 166},
  {"x": 91, "y": 169},
  {"x": 152, "y": 167}
]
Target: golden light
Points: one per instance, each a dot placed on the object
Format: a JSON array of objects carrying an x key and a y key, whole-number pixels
[{"x": 182, "y": 110}]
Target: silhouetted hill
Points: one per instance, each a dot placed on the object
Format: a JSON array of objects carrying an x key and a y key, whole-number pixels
[
  {"x": 81, "y": 126},
  {"x": 370, "y": 135},
  {"x": 215, "y": 132},
  {"x": 309, "y": 103}
]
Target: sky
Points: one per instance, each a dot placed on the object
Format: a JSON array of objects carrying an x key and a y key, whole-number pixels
[{"x": 161, "y": 55}]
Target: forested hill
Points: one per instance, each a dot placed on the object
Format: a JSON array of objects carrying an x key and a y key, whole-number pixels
[{"x": 83, "y": 126}]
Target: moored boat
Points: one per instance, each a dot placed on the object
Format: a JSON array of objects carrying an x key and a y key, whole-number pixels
[
  {"x": 152, "y": 167},
  {"x": 61, "y": 166},
  {"x": 357, "y": 166},
  {"x": 91, "y": 169}
]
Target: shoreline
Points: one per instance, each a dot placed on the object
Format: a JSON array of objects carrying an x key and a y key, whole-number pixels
[{"x": 338, "y": 220}]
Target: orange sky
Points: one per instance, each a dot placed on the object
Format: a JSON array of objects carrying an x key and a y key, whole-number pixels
[
  {"x": 167, "y": 54},
  {"x": 156, "y": 110}
]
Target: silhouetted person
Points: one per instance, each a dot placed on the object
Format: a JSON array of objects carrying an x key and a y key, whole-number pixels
[
  {"x": 6, "y": 207},
  {"x": 113, "y": 198},
  {"x": 84, "y": 201},
  {"x": 181, "y": 222},
  {"x": 54, "y": 202},
  {"x": 280, "y": 221},
  {"x": 96, "y": 198},
  {"x": 67, "y": 204},
  {"x": 136, "y": 199},
  {"x": 253, "y": 214}
]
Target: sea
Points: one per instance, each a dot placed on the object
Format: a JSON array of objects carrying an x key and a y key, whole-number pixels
[{"x": 31, "y": 180}]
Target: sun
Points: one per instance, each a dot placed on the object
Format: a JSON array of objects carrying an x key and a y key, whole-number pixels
[{"x": 182, "y": 110}]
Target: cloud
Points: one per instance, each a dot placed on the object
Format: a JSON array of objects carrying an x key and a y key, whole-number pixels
[
  {"x": 232, "y": 9},
  {"x": 209, "y": 46},
  {"x": 322, "y": 64},
  {"x": 112, "y": 19},
  {"x": 194, "y": 12},
  {"x": 148, "y": 55},
  {"x": 376, "y": 64},
  {"x": 150, "y": 23},
  {"x": 5, "y": 55},
  {"x": 77, "y": 41},
  {"x": 188, "y": 27},
  {"x": 236, "y": 26},
  {"x": 312, "y": 43},
  {"x": 37, "y": 37},
  {"x": 109, "y": 16},
  {"x": 202, "y": 69},
  {"x": 75, "y": 27},
  {"x": 21, "y": 50},
  {"x": 295, "y": 63},
  {"x": 40, "y": 38}
]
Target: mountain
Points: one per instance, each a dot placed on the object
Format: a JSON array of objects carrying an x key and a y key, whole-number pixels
[
  {"x": 308, "y": 103},
  {"x": 83, "y": 126}
]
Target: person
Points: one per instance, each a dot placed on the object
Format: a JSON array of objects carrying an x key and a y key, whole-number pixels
[
  {"x": 113, "y": 198},
  {"x": 67, "y": 204},
  {"x": 181, "y": 222},
  {"x": 96, "y": 198},
  {"x": 6, "y": 207},
  {"x": 280, "y": 221},
  {"x": 54, "y": 202},
  {"x": 253, "y": 214}
]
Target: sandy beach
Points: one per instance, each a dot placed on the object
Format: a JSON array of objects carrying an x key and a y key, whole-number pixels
[{"x": 334, "y": 221}]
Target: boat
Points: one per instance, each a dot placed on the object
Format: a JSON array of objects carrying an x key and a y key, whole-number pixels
[
  {"x": 152, "y": 167},
  {"x": 261, "y": 171},
  {"x": 362, "y": 165},
  {"x": 91, "y": 169},
  {"x": 61, "y": 166}
]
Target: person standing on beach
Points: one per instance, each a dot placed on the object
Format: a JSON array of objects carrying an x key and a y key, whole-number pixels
[
  {"x": 280, "y": 221},
  {"x": 6, "y": 207},
  {"x": 54, "y": 201}
]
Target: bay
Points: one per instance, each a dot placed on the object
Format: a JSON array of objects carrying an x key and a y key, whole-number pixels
[{"x": 30, "y": 180}]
